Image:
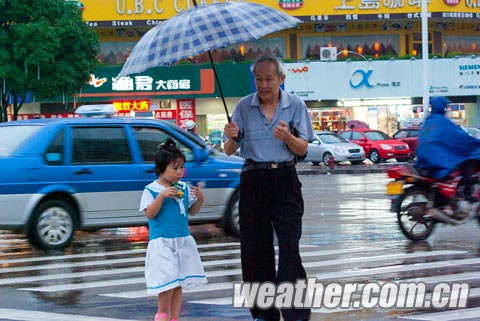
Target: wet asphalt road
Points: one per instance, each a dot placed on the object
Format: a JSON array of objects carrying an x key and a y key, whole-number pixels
[{"x": 348, "y": 235}]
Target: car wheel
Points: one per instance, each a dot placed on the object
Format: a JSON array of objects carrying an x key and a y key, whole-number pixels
[
  {"x": 374, "y": 156},
  {"x": 326, "y": 157},
  {"x": 52, "y": 226},
  {"x": 231, "y": 220}
]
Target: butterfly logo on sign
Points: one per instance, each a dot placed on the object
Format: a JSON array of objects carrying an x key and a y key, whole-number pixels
[{"x": 96, "y": 82}]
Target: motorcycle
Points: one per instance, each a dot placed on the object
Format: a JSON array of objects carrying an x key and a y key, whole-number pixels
[{"x": 421, "y": 201}]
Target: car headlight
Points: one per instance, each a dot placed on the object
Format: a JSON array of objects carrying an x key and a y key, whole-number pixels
[
  {"x": 339, "y": 150},
  {"x": 386, "y": 147}
]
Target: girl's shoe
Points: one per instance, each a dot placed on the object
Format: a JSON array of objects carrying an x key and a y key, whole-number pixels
[{"x": 160, "y": 315}]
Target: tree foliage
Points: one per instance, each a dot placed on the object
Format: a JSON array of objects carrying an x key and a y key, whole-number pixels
[{"x": 45, "y": 48}]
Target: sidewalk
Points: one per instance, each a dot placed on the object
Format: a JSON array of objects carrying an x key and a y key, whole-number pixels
[{"x": 343, "y": 168}]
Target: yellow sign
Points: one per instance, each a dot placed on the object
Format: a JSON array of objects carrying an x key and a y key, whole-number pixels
[
  {"x": 124, "y": 13},
  {"x": 132, "y": 105}
]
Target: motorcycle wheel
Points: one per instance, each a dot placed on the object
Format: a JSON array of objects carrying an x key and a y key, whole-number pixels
[{"x": 411, "y": 214}]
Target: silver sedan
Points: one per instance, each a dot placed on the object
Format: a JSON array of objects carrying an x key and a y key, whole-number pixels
[{"x": 328, "y": 144}]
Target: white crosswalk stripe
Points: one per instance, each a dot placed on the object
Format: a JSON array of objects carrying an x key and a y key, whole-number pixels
[
  {"x": 24, "y": 315},
  {"x": 466, "y": 314},
  {"x": 108, "y": 273}
]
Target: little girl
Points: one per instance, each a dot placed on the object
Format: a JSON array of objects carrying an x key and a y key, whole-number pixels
[{"x": 172, "y": 259}]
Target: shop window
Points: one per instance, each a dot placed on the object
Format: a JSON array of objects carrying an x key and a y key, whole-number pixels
[
  {"x": 333, "y": 121},
  {"x": 115, "y": 53},
  {"x": 462, "y": 45},
  {"x": 417, "y": 44},
  {"x": 375, "y": 46},
  {"x": 246, "y": 51}
]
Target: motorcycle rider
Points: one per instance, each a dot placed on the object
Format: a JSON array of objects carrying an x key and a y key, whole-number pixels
[{"x": 443, "y": 146}]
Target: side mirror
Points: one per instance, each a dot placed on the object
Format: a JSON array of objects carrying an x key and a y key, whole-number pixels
[{"x": 203, "y": 155}]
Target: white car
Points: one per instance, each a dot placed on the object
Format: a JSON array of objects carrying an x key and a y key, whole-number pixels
[
  {"x": 472, "y": 131},
  {"x": 327, "y": 144}
]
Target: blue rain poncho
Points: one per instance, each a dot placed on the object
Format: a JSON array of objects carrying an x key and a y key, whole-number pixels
[{"x": 444, "y": 146}]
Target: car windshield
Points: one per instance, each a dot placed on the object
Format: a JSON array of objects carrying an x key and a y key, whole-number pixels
[
  {"x": 377, "y": 135},
  {"x": 11, "y": 137},
  {"x": 332, "y": 139}
]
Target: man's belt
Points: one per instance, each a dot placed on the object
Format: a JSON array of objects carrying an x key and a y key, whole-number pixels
[{"x": 252, "y": 165}]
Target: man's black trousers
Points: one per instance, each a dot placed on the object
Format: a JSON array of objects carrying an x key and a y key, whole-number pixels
[{"x": 271, "y": 201}]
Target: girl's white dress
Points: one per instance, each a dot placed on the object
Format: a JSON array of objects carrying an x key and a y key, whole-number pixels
[{"x": 172, "y": 258}]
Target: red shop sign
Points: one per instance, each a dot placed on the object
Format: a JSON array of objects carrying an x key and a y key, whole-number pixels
[{"x": 185, "y": 111}]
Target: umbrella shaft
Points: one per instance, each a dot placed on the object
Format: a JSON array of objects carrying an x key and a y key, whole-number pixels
[{"x": 219, "y": 85}]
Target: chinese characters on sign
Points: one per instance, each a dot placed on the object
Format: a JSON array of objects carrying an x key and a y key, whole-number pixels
[
  {"x": 185, "y": 111},
  {"x": 147, "y": 83},
  {"x": 132, "y": 105},
  {"x": 385, "y": 10},
  {"x": 376, "y": 4},
  {"x": 165, "y": 114},
  {"x": 125, "y": 107}
]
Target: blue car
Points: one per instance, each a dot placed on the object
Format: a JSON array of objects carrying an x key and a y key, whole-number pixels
[{"x": 86, "y": 173}]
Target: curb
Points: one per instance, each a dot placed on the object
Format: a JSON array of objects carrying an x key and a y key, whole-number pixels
[{"x": 306, "y": 169}]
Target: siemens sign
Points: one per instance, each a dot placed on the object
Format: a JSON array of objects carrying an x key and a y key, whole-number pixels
[{"x": 468, "y": 67}]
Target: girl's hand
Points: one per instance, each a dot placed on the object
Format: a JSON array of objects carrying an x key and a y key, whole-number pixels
[
  {"x": 197, "y": 192},
  {"x": 169, "y": 192}
]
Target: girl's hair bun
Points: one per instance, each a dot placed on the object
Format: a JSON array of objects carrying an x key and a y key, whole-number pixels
[{"x": 168, "y": 144}]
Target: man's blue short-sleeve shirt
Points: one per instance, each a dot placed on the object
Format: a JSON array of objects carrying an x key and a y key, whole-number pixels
[{"x": 256, "y": 134}]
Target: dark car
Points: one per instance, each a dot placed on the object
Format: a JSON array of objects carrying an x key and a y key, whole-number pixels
[
  {"x": 409, "y": 135},
  {"x": 377, "y": 145},
  {"x": 87, "y": 173}
]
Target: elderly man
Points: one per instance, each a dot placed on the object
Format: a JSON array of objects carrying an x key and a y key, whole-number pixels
[{"x": 270, "y": 191}]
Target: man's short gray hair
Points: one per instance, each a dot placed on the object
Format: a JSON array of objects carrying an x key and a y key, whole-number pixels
[{"x": 278, "y": 63}]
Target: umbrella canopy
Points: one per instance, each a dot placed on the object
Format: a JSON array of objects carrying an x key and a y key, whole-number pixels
[
  {"x": 201, "y": 29},
  {"x": 356, "y": 124}
]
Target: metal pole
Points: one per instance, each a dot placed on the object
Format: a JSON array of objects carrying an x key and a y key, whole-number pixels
[{"x": 426, "y": 93}]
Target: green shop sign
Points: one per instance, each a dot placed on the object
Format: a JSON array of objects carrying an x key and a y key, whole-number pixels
[{"x": 183, "y": 81}]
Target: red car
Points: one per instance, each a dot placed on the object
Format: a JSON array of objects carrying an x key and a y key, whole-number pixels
[
  {"x": 409, "y": 135},
  {"x": 377, "y": 145}
]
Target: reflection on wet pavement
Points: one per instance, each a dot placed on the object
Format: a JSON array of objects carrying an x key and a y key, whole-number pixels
[{"x": 348, "y": 236}]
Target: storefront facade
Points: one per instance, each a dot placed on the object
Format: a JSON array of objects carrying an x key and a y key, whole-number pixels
[
  {"x": 357, "y": 54},
  {"x": 384, "y": 94}
]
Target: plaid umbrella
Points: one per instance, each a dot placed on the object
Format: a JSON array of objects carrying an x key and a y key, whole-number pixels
[{"x": 201, "y": 29}]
